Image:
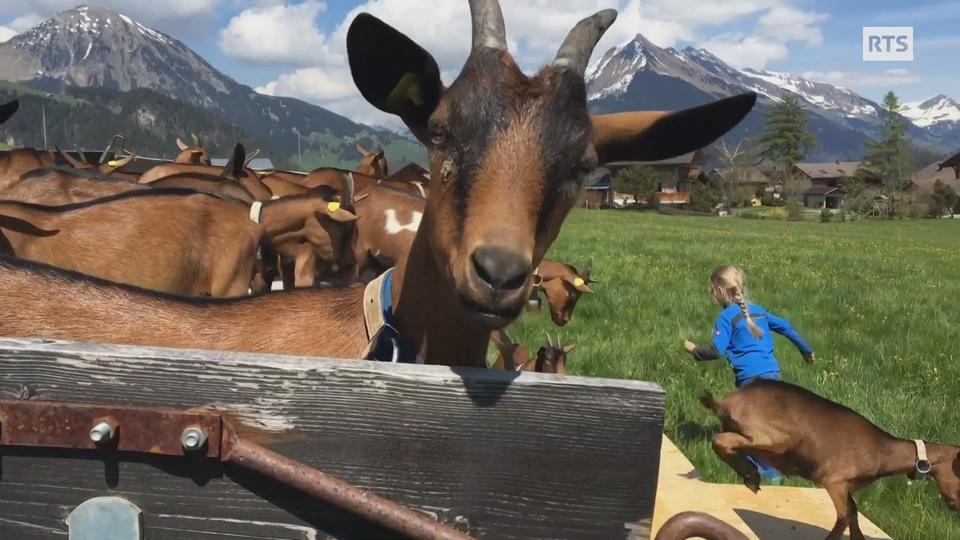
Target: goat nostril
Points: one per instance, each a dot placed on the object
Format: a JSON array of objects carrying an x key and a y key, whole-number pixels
[{"x": 501, "y": 269}]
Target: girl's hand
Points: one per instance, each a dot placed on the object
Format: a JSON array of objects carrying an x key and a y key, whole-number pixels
[
  {"x": 689, "y": 346},
  {"x": 810, "y": 358}
]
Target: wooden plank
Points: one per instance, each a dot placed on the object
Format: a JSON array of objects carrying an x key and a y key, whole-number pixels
[{"x": 528, "y": 456}]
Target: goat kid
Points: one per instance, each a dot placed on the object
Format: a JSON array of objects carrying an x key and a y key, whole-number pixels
[
  {"x": 551, "y": 358},
  {"x": 563, "y": 285},
  {"x": 192, "y": 155},
  {"x": 803, "y": 434}
]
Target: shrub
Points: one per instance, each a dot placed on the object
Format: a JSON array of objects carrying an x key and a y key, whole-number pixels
[
  {"x": 751, "y": 215},
  {"x": 841, "y": 215},
  {"x": 825, "y": 216},
  {"x": 703, "y": 198},
  {"x": 779, "y": 214},
  {"x": 794, "y": 210}
]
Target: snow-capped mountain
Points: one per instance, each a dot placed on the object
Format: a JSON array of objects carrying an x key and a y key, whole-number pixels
[
  {"x": 939, "y": 114},
  {"x": 95, "y": 47},
  {"x": 639, "y": 74}
]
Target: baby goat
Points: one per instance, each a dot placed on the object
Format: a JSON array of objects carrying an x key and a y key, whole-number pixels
[
  {"x": 803, "y": 434},
  {"x": 551, "y": 358}
]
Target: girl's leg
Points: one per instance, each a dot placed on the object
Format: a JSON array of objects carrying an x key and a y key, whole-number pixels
[{"x": 767, "y": 473}]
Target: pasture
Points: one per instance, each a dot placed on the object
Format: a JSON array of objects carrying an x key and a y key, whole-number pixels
[{"x": 878, "y": 301}]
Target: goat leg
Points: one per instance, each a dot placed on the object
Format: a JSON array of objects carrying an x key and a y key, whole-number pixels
[
  {"x": 730, "y": 448},
  {"x": 840, "y": 495},
  {"x": 855, "y": 532}
]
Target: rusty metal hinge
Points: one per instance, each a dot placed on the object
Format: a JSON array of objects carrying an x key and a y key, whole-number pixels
[{"x": 197, "y": 433}]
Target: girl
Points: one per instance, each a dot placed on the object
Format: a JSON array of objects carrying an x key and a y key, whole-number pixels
[{"x": 742, "y": 333}]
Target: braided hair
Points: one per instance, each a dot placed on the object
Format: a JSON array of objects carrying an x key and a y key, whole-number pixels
[{"x": 729, "y": 285}]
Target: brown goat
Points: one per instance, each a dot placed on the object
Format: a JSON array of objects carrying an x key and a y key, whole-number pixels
[
  {"x": 508, "y": 155},
  {"x": 373, "y": 163},
  {"x": 20, "y": 161},
  {"x": 234, "y": 171},
  {"x": 165, "y": 240},
  {"x": 111, "y": 167},
  {"x": 551, "y": 358},
  {"x": 563, "y": 285},
  {"x": 803, "y": 434},
  {"x": 58, "y": 186},
  {"x": 206, "y": 183},
  {"x": 191, "y": 155}
]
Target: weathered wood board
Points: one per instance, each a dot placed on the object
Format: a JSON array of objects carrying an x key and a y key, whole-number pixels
[{"x": 528, "y": 456}]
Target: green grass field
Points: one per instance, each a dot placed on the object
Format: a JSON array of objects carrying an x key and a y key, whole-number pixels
[{"x": 878, "y": 301}]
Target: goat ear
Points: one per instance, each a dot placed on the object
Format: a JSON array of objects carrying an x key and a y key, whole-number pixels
[
  {"x": 569, "y": 348},
  {"x": 393, "y": 73},
  {"x": 363, "y": 151},
  {"x": 68, "y": 158},
  {"x": 234, "y": 167},
  {"x": 578, "y": 283},
  {"x": 7, "y": 110},
  {"x": 181, "y": 145},
  {"x": 115, "y": 164},
  {"x": 339, "y": 214},
  {"x": 656, "y": 135}
]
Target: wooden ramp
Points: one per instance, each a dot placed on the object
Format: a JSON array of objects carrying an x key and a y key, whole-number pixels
[{"x": 776, "y": 513}]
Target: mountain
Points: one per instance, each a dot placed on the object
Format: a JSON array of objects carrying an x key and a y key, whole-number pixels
[
  {"x": 91, "y": 47},
  {"x": 639, "y": 74},
  {"x": 939, "y": 114}
]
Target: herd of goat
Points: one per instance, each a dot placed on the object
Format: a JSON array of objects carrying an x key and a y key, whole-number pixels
[
  {"x": 191, "y": 229},
  {"x": 185, "y": 254}
]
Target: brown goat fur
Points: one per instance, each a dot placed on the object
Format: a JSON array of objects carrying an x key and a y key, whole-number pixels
[
  {"x": 551, "y": 358},
  {"x": 206, "y": 183},
  {"x": 191, "y": 155},
  {"x": 563, "y": 285},
  {"x": 172, "y": 241},
  {"x": 373, "y": 163},
  {"x": 20, "y": 161},
  {"x": 58, "y": 186},
  {"x": 803, "y": 434}
]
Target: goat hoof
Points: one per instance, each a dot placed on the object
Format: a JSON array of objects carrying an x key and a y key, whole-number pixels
[{"x": 752, "y": 485}]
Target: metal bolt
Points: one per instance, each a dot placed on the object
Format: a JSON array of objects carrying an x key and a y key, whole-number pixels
[
  {"x": 193, "y": 438},
  {"x": 101, "y": 432}
]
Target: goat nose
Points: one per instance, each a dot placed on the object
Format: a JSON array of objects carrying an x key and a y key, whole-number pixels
[{"x": 501, "y": 269}]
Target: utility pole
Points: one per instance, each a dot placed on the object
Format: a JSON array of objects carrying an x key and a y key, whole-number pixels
[
  {"x": 43, "y": 114},
  {"x": 299, "y": 156}
]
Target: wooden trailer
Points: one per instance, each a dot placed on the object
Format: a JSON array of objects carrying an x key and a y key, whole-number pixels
[{"x": 490, "y": 454}]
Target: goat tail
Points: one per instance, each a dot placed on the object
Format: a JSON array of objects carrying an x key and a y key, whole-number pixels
[{"x": 709, "y": 402}]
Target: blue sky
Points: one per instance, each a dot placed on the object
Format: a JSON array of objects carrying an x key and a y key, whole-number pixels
[{"x": 296, "y": 47}]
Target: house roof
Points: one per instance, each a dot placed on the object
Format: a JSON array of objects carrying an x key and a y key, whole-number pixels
[
  {"x": 411, "y": 171},
  {"x": 692, "y": 158},
  {"x": 925, "y": 178},
  {"x": 824, "y": 190},
  {"x": 742, "y": 175},
  {"x": 835, "y": 169},
  {"x": 257, "y": 164}
]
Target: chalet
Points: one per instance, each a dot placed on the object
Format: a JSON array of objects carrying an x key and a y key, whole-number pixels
[
  {"x": 412, "y": 172},
  {"x": 947, "y": 171},
  {"x": 750, "y": 177},
  {"x": 598, "y": 190},
  {"x": 824, "y": 182},
  {"x": 678, "y": 175}
]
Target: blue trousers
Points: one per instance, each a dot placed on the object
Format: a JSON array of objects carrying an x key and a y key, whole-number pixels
[{"x": 765, "y": 471}]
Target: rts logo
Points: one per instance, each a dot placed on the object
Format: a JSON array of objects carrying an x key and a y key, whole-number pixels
[{"x": 887, "y": 43}]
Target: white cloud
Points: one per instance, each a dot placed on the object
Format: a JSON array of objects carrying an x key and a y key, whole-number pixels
[
  {"x": 284, "y": 34},
  {"x": 886, "y": 78},
  {"x": 145, "y": 11},
  {"x": 311, "y": 84},
  {"x": 535, "y": 29},
  {"x": 18, "y": 25}
]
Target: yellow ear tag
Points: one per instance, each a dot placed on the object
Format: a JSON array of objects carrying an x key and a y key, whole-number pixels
[
  {"x": 333, "y": 206},
  {"x": 579, "y": 282},
  {"x": 112, "y": 163},
  {"x": 407, "y": 87}
]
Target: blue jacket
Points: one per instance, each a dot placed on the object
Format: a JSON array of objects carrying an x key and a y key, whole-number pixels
[{"x": 750, "y": 357}]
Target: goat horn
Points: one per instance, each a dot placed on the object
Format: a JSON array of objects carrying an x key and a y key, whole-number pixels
[
  {"x": 576, "y": 50},
  {"x": 346, "y": 191},
  {"x": 488, "y": 27},
  {"x": 549, "y": 339},
  {"x": 587, "y": 270},
  {"x": 250, "y": 157}
]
